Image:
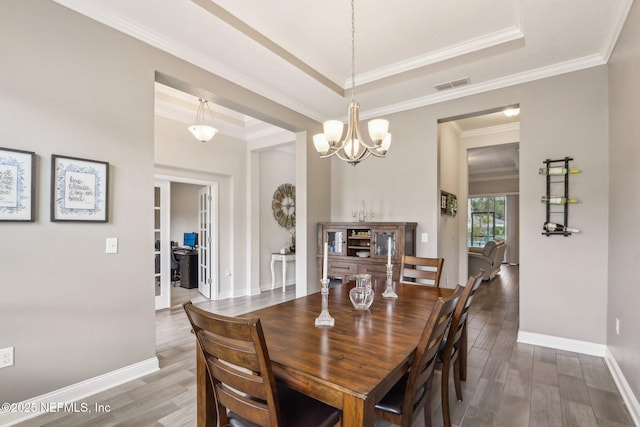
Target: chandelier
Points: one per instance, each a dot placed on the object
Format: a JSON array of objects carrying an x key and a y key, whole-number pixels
[
  {"x": 199, "y": 129},
  {"x": 353, "y": 148}
]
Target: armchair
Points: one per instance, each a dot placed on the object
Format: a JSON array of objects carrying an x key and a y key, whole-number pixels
[{"x": 489, "y": 258}]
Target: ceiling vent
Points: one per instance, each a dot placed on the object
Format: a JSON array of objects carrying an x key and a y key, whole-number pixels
[{"x": 453, "y": 84}]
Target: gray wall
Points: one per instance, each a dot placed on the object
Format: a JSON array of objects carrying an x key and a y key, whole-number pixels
[
  {"x": 561, "y": 116},
  {"x": 68, "y": 308},
  {"x": 624, "y": 201},
  {"x": 71, "y": 311}
]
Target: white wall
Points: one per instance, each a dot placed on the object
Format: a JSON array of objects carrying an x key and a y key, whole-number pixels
[
  {"x": 184, "y": 210},
  {"x": 449, "y": 237},
  {"x": 276, "y": 167},
  {"x": 222, "y": 160}
]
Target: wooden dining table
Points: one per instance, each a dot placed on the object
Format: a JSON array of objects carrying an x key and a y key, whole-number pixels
[{"x": 351, "y": 365}]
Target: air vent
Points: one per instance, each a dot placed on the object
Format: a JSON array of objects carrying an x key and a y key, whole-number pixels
[{"x": 452, "y": 84}]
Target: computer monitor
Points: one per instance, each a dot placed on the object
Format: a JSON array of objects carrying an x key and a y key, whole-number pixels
[{"x": 190, "y": 239}]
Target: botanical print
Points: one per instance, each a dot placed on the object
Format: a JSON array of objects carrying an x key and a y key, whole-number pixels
[
  {"x": 16, "y": 185},
  {"x": 79, "y": 189}
]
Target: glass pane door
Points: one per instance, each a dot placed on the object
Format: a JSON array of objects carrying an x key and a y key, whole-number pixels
[
  {"x": 385, "y": 243},
  {"x": 336, "y": 242}
]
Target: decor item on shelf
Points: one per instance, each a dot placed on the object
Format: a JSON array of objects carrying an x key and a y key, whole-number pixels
[
  {"x": 284, "y": 205},
  {"x": 552, "y": 226},
  {"x": 557, "y": 171},
  {"x": 557, "y": 200},
  {"x": 325, "y": 319},
  {"x": 353, "y": 149},
  {"x": 199, "y": 129},
  {"x": 361, "y": 295}
]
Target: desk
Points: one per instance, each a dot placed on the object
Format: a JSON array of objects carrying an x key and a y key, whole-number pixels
[
  {"x": 350, "y": 366},
  {"x": 188, "y": 260},
  {"x": 284, "y": 258}
]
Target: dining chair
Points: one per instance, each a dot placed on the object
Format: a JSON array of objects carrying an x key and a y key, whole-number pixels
[
  {"x": 453, "y": 349},
  {"x": 242, "y": 378},
  {"x": 423, "y": 271},
  {"x": 402, "y": 404}
]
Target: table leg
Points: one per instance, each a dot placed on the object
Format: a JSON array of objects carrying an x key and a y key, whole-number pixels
[
  {"x": 357, "y": 412},
  {"x": 284, "y": 273},
  {"x": 205, "y": 400},
  {"x": 273, "y": 273}
]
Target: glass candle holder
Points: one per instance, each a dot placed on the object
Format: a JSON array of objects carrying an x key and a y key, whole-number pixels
[
  {"x": 325, "y": 318},
  {"x": 388, "y": 290}
]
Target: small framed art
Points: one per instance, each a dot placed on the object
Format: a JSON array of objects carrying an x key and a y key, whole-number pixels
[
  {"x": 17, "y": 185},
  {"x": 79, "y": 189}
]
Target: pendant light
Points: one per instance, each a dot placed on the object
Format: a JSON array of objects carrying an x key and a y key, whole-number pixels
[{"x": 199, "y": 129}]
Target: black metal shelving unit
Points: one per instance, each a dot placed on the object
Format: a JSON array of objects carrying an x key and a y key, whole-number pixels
[{"x": 555, "y": 182}]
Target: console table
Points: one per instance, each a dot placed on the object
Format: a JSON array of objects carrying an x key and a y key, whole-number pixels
[{"x": 284, "y": 258}]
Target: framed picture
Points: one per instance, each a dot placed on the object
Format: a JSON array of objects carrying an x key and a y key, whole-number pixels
[
  {"x": 17, "y": 185},
  {"x": 79, "y": 189}
]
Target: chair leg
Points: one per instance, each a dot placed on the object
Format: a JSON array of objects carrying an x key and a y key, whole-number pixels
[
  {"x": 444, "y": 395},
  {"x": 427, "y": 411},
  {"x": 456, "y": 378},
  {"x": 462, "y": 353}
]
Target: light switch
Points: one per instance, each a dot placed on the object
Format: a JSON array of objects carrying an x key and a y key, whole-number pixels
[
  {"x": 424, "y": 238},
  {"x": 112, "y": 245}
]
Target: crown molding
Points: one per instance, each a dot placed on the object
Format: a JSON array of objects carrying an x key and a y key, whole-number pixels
[
  {"x": 500, "y": 83},
  {"x": 450, "y": 52},
  {"x": 490, "y": 130}
]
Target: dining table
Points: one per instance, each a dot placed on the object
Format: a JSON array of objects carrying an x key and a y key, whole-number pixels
[{"x": 350, "y": 365}]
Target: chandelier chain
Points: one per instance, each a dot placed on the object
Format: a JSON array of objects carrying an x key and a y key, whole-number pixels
[{"x": 353, "y": 51}]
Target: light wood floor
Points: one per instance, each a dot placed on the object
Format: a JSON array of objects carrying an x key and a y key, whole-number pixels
[{"x": 508, "y": 384}]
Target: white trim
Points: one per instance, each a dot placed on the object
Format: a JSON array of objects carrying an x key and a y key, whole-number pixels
[
  {"x": 630, "y": 400},
  {"x": 75, "y": 392},
  {"x": 560, "y": 343}
]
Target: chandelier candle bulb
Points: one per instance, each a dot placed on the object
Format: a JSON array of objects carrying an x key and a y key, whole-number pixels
[
  {"x": 557, "y": 171},
  {"x": 557, "y": 200}
]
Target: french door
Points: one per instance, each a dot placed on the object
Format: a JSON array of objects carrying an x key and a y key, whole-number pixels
[
  {"x": 207, "y": 238},
  {"x": 162, "y": 245}
]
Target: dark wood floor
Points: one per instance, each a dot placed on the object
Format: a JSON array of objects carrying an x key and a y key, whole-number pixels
[{"x": 508, "y": 384}]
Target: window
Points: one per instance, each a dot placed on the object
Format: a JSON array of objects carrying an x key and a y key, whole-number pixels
[{"x": 486, "y": 220}]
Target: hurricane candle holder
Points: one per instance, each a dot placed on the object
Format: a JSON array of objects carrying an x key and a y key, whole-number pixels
[
  {"x": 325, "y": 318},
  {"x": 388, "y": 291}
]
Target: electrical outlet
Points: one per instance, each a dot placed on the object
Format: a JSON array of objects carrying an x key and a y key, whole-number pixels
[
  {"x": 6, "y": 357},
  {"x": 617, "y": 326}
]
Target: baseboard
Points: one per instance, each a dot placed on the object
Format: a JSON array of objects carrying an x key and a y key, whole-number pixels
[
  {"x": 630, "y": 400},
  {"x": 75, "y": 392},
  {"x": 559, "y": 343}
]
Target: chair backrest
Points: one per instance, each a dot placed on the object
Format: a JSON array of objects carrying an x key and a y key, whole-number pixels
[
  {"x": 238, "y": 365},
  {"x": 421, "y": 371},
  {"x": 423, "y": 271},
  {"x": 461, "y": 312}
]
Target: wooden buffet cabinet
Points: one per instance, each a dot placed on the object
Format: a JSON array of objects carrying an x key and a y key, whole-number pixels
[{"x": 361, "y": 247}]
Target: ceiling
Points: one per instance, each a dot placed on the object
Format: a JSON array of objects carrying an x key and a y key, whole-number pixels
[{"x": 298, "y": 52}]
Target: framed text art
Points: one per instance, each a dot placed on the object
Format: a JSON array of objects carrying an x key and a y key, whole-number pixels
[
  {"x": 17, "y": 185},
  {"x": 79, "y": 189}
]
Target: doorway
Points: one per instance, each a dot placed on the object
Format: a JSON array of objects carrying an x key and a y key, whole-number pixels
[
  {"x": 478, "y": 157},
  {"x": 186, "y": 248}
]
